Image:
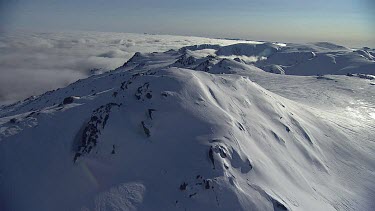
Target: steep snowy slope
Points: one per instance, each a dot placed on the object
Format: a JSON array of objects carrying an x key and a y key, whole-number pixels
[{"x": 190, "y": 130}]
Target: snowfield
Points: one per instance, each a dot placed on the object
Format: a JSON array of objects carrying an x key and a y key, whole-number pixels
[{"x": 203, "y": 127}]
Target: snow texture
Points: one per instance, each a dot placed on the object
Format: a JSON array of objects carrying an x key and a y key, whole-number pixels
[{"x": 193, "y": 129}]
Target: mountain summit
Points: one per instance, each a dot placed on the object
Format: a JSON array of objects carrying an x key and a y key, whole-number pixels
[{"x": 192, "y": 129}]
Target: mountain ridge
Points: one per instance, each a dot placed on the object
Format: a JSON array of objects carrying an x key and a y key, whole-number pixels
[{"x": 150, "y": 134}]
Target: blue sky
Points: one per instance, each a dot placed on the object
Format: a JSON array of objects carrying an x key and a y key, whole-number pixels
[{"x": 349, "y": 22}]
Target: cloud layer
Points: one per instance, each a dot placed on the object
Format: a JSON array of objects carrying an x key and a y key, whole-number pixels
[{"x": 32, "y": 62}]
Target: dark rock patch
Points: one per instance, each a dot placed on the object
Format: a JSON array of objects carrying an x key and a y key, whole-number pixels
[
  {"x": 193, "y": 194},
  {"x": 92, "y": 130},
  {"x": 287, "y": 129},
  {"x": 183, "y": 186},
  {"x": 13, "y": 121},
  {"x": 145, "y": 129},
  {"x": 113, "y": 149},
  {"x": 150, "y": 112},
  {"x": 277, "y": 206},
  {"x": 211, "y": 156},
  {"x": 68, "y": 100},
  {"x": 143, "y": 91}
]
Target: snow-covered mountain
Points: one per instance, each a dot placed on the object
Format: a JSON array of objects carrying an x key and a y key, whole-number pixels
[
  {"x": 42, "y": 61},
  {"x": 199, "y": 128},
  {"x": 305, "y": 59}
]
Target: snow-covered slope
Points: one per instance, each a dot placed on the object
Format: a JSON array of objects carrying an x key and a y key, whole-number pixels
[
  {"x": 321, "y": 58},
  {"x": 192, "y": 129}
]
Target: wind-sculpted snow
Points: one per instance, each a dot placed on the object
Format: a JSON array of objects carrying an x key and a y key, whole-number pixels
[{"x": 178, "y": 131}]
